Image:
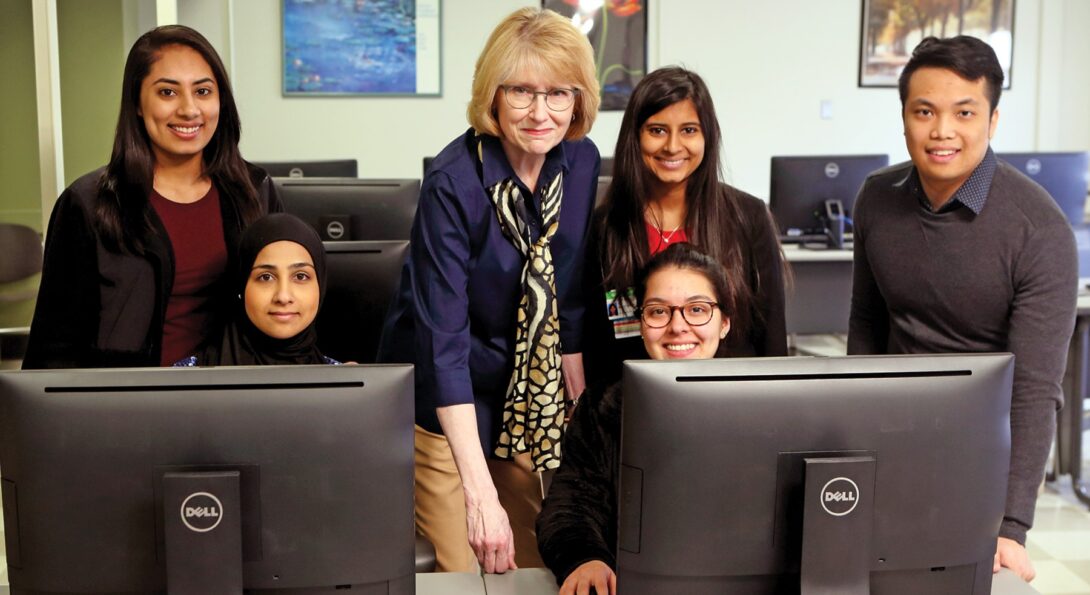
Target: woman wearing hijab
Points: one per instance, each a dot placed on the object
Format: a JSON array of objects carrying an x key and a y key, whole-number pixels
[{"x": 279, "y": 281}]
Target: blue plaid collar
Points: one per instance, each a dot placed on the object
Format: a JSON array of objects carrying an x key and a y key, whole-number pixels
[{"x": 972, "y": 194}]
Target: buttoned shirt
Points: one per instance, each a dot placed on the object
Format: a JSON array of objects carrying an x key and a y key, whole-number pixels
[{"x": 455, "y": 310}]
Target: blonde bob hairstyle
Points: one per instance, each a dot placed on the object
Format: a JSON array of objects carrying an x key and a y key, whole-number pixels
[{"x": 540, "y": 41}]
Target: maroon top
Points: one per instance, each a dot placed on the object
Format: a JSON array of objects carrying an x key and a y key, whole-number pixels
[
  {"x": 658, "y": 240},
  {"x": 200, "y": 259}
]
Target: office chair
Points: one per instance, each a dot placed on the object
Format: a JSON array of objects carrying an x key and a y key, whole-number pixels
[{"x": 20, "y": 264}]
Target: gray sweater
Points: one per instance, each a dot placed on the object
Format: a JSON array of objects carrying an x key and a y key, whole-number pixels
[{"x": 956, "y": 281}]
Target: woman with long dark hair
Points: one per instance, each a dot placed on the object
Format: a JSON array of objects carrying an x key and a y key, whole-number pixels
[
  {"x": 667, "y": 189},
  {"x": 136, "y": 251}
]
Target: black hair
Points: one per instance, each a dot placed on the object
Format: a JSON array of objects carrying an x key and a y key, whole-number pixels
[
  {"x": 687, "y": 257},
  {"x": 969, "y": 57},
  {"x": 120, "y": 212},
  {"x": 713, "y": 217}
]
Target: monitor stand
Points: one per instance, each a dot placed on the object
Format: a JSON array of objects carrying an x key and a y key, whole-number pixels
[
  {"x": 836, "y": 526},
  {"x": 202, "y": 530}
]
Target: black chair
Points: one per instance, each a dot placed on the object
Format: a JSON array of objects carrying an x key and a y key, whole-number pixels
[{"x": 20, "y": 264}]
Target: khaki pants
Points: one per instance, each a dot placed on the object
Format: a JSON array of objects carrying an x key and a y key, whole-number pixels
[{"x": 441, "y": 508}]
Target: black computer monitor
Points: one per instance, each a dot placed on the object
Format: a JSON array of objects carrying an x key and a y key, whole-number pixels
[
  {"x": 362, "y": 279},
  {"x": 343, "y": 209},
  {"x": 757, "y": 475},
  {"x": 100, "y": 496},
  {"x": 602, "y": 189},
  {"x": 801, "y": 185},
  {"x": 337, "y": 168},
  {"x": 1066, "y": 176}
]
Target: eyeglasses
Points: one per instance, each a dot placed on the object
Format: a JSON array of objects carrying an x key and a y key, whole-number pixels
[
  {"x": 557, "y": 100},
  {"x": 694, "y": 313}
]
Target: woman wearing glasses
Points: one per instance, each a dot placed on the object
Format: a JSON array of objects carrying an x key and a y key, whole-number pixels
[
  {"x": 490, "y": 308},
  {"x": 666, "y": 189},
  {"x": 686, "y": 307}
]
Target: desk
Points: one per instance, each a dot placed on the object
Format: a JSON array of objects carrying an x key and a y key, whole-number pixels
[
  {"x": 538, "y": 581},
  {"x": 1072, "y": 421},
  {"x": 821, "y": 299}
]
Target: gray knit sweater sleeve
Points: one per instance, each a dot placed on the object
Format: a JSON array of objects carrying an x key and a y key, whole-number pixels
[{"x": 1041, "y": 321}]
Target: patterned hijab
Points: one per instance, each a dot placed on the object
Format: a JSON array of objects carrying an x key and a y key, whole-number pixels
[
  {"x": 533, "y": 413},
  {"x": 243, "y": 343}
]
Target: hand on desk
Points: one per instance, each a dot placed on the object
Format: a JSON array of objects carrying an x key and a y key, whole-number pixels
[
  {"x": 1011, "y": 554},
  {"x": 490, "y": 535},
  {"x": 594, "y": 574}
]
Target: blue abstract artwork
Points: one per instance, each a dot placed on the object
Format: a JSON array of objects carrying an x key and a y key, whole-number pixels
[{"x": 361, "y": 47}]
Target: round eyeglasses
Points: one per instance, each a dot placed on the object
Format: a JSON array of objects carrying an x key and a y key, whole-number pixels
[
  {"x": 694, "y": 313},
  {"x": 557, "y": 100}
]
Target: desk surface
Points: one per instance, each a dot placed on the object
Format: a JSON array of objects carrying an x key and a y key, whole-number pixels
[
  {"x": 794, "y": 253},
  {"x": 539, "y": 581}
]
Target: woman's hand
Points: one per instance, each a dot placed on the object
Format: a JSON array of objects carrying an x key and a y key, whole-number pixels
[
  {"x": 490, "y": 535},
  {"x": 489, "y": 530},
  {"x": 571, "y": 366},
  {"x": 596, "y": 575}
]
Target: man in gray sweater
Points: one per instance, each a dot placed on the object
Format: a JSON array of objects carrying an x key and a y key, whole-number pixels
[{"x": 956, "y": 251}]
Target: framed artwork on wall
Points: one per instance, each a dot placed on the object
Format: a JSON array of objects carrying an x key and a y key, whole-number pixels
[
  {"x": 617, "y": 30},
  {"x": 892, "y": 28},
  {"x": 361, "y": 47}
]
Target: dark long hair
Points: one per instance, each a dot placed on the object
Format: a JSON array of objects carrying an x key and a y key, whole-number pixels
[
  {"x": 713, "y": 218},
  {"x": 121, "y": 212}
]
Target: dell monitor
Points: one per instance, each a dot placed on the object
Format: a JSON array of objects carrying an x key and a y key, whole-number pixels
[
  {"x": 362, "y": 279},
  {"x": 339, "y": 168},
  {"x": 1065, "y": 176},
  {"x": 344, "y": 209},
  {"x": 209, "y": 480},
  {"x": 870, "y": 474},
  {"x": 805, "y": 189}
]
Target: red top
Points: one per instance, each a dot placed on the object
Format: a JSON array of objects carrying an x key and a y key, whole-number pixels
[
  {"x": 200, "y": 259},
  {"x": 658, "y": 240}
]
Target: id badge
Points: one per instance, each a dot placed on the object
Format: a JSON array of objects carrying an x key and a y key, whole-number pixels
[{"x": 621, "y": 309}]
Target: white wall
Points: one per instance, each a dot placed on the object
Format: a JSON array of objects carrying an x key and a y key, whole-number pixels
[{"x": 767, "y": 71}]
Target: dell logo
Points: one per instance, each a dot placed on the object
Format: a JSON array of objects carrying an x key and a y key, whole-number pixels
[
  {"x": 840, "y": 496},
  {"x": 202, "y": 512},
  {"x": 832, "y": 170},
  {"x": 1033, "y": 167},
  {"x": 334, "y": 230}
]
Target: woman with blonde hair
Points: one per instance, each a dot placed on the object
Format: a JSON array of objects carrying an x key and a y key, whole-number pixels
[{"x": 489, "y": 307}]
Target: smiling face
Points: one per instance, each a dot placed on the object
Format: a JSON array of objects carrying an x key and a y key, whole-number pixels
[
  {"x": 672, "y": 286},
  {"x": 672, "y": 143},
  {"x": 948, "y": 125},
  {"x": 180, "y": 105},
  {"x": 533, "y": 130},
  {"x": 282, "y": 291}
]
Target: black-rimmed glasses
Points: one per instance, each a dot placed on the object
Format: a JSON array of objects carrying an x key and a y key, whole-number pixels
[
  {"x": 694, "y": 313},
  {"x": 520, "y": 97}
]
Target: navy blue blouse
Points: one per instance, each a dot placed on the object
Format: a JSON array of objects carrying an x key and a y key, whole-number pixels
[{"x": 454, "y": 313}]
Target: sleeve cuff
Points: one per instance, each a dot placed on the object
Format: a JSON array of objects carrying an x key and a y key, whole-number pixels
[{"x": 1012, "y": 529}]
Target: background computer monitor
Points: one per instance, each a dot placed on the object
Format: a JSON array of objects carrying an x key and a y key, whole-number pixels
[
  {"x": 325, "y": 455},
  {"x": 1066, "y": 176},
  {"x": 713, "y": 479},
  {"x": 344, "y": 209},
  {"x": 362, "y": 279},
  {"x": 338, "y": 168},
  {"x": 801, "y": 185}
]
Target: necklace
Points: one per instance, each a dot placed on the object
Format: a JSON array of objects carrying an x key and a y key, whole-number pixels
[{"x": 666, "y": 236}]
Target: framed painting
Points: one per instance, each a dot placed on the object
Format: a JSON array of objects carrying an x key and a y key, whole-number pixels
[
  {"x": 617, "y": 30},
  {"x": 361, "y": 47},
  {"x": 892, "y": 28}
]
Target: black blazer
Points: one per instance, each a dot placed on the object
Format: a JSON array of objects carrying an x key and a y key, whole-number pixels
[{"x": 102, "y": 308}]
